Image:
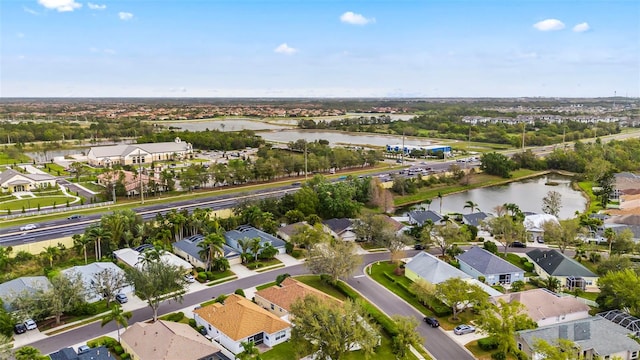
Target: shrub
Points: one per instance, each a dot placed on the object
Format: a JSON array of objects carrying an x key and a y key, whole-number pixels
[
  {"x": 240, "y": 292},
  {"x": 118, "y": 349},
  {"x": 221, "y": 298},
  {"x": 202, "y": 276},
  {"x": 210, "y": 275},
  {"x": 288, "y": 247},
  {"x": 84, "y": 309},
  {"x": 389, "y": 277},
  {"x": 125, "y": 356},
  {"x": 487, "y": 344},
  {"x": 482, "y": 279},
  {"x": 521, "y": 355},
  {"x": 499, "y": 355},
  {"x": 192, "y": 323},
  {"x": 517, "y": 286},
  {"x": 280, "y": 278},
  {"x": 491, "y": 247}
]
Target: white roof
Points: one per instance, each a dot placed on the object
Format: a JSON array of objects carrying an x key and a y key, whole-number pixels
[
  {"x": 132, "y": 258},
  {"x": 535, "y": 222},
  {"x": 151, "y": 148},
  {"x": 87, "y": 272}
]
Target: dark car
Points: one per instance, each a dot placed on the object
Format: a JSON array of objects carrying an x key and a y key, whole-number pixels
[
  {"x": 20, "y": 328},
  {"x": 518, "y": 244},
  {"x": 418, "y": 247},
  {"x": 74, "y": 217},
  {"x": 433, "y": 322}
]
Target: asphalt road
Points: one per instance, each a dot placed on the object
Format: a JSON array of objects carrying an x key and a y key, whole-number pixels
[{"x": 436, "y": 341}]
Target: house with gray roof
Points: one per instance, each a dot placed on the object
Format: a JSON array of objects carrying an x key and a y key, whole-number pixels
[
  {"x": 287, "y": 231},
  {"x": 434, "y": 271},
  {"x": 11, "y": 289},
  {"x": 474, "y": 219},
  {"x": 247, "y": 232},
  {"x": 14, "y": 181},
  {"x": 479, "y": 262},
  {"x": 572, "y": 275},
  {"x": 596, "y": 337},
  {"x": 189, "y": 249},
  {"x": 419, "y": 217},
  {"x": 131, "y": 154},
  {"x": 88, "y": 274},
  {"x": 97, "y": 353},
  {"x": 340, "y": 229}
]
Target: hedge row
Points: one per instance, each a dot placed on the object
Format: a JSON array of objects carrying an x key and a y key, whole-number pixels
[{"x": 385, "y": 322}]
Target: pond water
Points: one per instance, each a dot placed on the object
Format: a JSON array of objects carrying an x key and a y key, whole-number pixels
[
  {"x": 527, "y": 194},
  {"x": 224, "y": 125},
  {"x": 339, "y": 137}
]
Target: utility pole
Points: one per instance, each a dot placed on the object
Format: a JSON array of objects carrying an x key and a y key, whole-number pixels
[
  {"x": 402, "y": 147},
  {"x": 524, "y": 127},
  {"x": 141, "y": 182}
]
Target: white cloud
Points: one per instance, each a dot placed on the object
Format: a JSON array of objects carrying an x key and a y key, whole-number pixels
[
  {"x": 60, "y": 5},
  {"x": 549, "y": 25},
  {"x": 93, "y": 6},
  {"x": 355, "y": 19},
  {"x": 285, "y": 49},
  {"x": 125, "y": 15},
  {"x": 30, "y": 11},
  {"x": 582, "y": 27},
  {"x": 102, "y": 51}
]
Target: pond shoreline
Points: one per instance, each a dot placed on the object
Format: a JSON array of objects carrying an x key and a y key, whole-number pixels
[{"x": 497, "y": 182}]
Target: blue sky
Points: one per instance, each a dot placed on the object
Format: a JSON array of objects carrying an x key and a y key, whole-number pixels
[{"x": 319, "y": 48}]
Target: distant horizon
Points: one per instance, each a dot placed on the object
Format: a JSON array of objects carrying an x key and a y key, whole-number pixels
[
  {"x": 320, "y": 49},
  {"x": 619, "y": 97}
]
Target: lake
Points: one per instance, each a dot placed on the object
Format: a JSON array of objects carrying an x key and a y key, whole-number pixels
[
  {"x": 527, "y": 194},
  {"x": 336, "y": 137}
]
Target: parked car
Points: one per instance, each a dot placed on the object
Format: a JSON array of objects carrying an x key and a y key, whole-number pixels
[
  {"x": 418, "y": 247},
  {"x": 122, "y": 298},
  {"x": 518, "y": 244},
  {"x": 431, "y": 321},
  {"x": 30, "y": 324},
  {"x": 189, "y": 278},
  {"x": 28, "y": 227},
  {"x": 464, "y": 329},
  {"x": 20, "y": 328},
  {"x": 74, "y": 217},
  {"x": 83, "y": 349}
]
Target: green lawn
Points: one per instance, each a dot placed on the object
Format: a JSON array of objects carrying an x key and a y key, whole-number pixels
[
  {"x": 264, "y": 286},
  {"x": 253, "y": 265},
  {"x": 594, "y": 203},
  {"x": 315, "y": 282},
  {"x": 32, "y": 203},
  {"x": 55, "y": 170},
  {"x": 377, "y": 273},
  {"x": 6, "y": 158},
  {"x": 92, "y": 186}
]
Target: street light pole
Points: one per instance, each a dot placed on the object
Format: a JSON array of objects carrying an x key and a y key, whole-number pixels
[
  {"x": 140, "y": 171},
  {"x": 305, "y": 160}
]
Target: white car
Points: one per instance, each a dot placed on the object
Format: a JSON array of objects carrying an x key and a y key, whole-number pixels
[
  {"x": 189, "y": 278},
  {"x": 30, "y": 324},
  {"x": 28, "y": 227}
]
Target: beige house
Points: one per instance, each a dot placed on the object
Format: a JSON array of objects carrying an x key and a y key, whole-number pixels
[
  {"x": 547, "y": 308},
  {"x": 135, "y": 154},
  {"x": 130, "y": 180},
  {"x": 572, "y": 275},
  {"x": 167, "y": 340},
  {"x": 239, "y": 320},
  {"x": 13, "y": 181},
  {"x": 278, "y": 299}
]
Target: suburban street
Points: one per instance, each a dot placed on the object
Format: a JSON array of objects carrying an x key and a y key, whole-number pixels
[{"x": 437, "y": 342}]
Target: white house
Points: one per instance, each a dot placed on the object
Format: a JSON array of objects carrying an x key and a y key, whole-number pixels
[
  {"x": 88, "y": 272},
  {"x": 239, "y": 320},
  {"x": 13, "y": 181},
  {"x": 139, "y": 153}
]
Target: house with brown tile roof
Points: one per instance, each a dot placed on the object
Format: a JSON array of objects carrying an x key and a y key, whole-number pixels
[
  {"x": 278, "y": 299},
  {"x": 239, "y": 320},
  {"x": 167, "y": 340},
  {"x": 547, "y": 308}
]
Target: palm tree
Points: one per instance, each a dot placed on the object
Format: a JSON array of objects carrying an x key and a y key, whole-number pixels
[
  {"x": 471, "y": 205},
  {"x": 98, "y": 234},
  {"x": 212, "y": 248},
  {"x": 552, "y": 283},
  {"x": 440, "y": 197},
  {"x": 149, "y": 256},
  {"x": 255, "y": 247},
  {"x": 428, "y": 202},
  {"x": 249, "y": 351},
  {"x": 244, "y": 245},
  {"x": 28, "y": 353},
  {"x": 50, "y": 253},
  {"x": 117, "y": 315},
  {"x": 82, "y": 241},
  {"x": 610, "y": 235}
]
